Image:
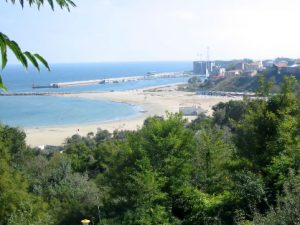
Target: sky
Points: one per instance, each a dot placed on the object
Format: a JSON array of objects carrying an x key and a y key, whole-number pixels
[{"x": 156, "y": 30}]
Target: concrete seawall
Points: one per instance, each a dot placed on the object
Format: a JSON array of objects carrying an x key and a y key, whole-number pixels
[{"x": 115, "y": 80}]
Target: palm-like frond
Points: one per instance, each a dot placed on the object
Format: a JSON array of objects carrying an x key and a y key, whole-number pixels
[
  {"x": 61, "y": 3},
  {"x": 22, "y": 57}
]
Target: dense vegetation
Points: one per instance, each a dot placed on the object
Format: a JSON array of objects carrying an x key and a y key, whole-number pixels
[{"x": 240, "y": 166}]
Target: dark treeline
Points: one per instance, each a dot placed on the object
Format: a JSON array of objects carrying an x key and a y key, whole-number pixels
[{"x": 239, "y": 166}]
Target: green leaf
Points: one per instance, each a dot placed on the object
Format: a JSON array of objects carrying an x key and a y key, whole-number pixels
[
  {"x": 42, "y": 60},
  {"x": 22, "y": 3},
  {"x": 4, "y": 56},
  {"x": 3, "y": 51},
  {"x": 3, "y": 36},
  {"x": 32, "y": 60},
  {"x": 2, "y": 86},
  {"x": 38, "y": 3},
  {"x": 51, "y": 4},
  {"x": 14, "y": 47},
  {"x": 71, "y": 3}
]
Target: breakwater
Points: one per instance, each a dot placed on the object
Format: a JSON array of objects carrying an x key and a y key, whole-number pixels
[
  {"x": 47, "y": 93},
  {"x": 149, "y": 76}
]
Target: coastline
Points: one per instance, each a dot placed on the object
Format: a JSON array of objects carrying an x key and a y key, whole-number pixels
[{"x": 156, "y": 100}]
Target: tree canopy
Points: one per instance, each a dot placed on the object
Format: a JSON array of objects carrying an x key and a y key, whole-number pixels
[{"x": 240, "y": 166}]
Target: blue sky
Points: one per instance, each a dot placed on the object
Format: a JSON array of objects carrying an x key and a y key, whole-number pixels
[{"x": 156, "y": 30}]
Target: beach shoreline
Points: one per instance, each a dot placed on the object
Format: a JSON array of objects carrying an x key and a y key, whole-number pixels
[{"x": 156, "y": 100}]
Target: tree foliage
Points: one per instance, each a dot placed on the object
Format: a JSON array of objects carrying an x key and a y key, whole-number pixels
[{"x": 240, "y": 166}]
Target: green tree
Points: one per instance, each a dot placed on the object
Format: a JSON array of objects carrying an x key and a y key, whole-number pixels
[
  {"x": 211, "y": 156},
  {"x": 148, "y": 201},
  {"x": 169, "y": 146},
  {"x": 267, "y": 142},
  {"x": 146, "y": 171},
  {"x": 16, "y": 203},
  {"x": 71, "y": 196},
  {"x": 287, "y": 209},
  {"x": 195, "y": 207},
  {"x": 270, "y": 127},
  {"x": 229, "y": 113},
  {"x": 81, "y": 156},
  {"x": 264, "y": 88}
]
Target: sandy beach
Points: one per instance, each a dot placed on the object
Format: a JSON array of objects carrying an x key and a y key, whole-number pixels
[{"x": 154, "y": 101}]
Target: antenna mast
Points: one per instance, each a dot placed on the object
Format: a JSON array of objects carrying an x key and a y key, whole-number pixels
[
  {"x": 207, "y": 61},
  {"x": 207, "y": 52}
]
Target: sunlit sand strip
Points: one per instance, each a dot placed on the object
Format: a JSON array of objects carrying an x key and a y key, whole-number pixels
[{"x": 154, "y": 101}]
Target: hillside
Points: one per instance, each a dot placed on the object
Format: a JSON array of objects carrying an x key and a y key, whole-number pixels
[
  {"x": 240, "y": 83},
  {"x": 237, "y": 83}
]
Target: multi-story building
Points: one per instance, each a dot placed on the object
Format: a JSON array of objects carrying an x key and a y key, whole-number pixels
[
  {"x": 240, "y": 66},
  {"x": 203, "y": 67},
  {"x": 218, "y": 72}
]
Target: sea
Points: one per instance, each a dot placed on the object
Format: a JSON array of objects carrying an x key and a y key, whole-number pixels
[{"x": 47, "y": 111}]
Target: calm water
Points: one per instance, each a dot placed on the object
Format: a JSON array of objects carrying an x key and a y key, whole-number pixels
[
  {"x": 37, "y": 111},
  {"x": 18, "y": 80}
]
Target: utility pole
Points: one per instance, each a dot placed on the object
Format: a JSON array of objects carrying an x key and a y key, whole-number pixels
[{"x": 98, "y": 207}]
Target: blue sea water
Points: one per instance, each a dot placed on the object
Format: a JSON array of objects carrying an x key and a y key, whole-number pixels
[{"x": 37, "y": 111}]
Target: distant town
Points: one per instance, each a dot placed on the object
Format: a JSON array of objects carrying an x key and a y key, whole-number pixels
[{"x": 247, "y": 67}]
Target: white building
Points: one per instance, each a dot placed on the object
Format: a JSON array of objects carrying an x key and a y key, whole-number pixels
[{"x": 191, "y": 110}]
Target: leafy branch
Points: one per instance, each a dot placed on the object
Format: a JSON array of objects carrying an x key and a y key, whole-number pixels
[
  {"x": 22, "y": 57},
  {"x": 62, "y": 3}
]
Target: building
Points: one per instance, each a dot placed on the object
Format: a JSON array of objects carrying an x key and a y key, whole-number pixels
[
  {"x": 232, "y": 73},
  {"x": 281, "y": 64},
  {"x": 268, "y": 63},
  {"x": 257, "y": 65},
  {"x": 250, "y": 73},
  {"x": 297, "y": 61},
  {"x": 191, "y": 110},
  {"x": 240, "y": 66},
  {"x": 218, "y": 72},
  {"x": 203, "y": 67}
]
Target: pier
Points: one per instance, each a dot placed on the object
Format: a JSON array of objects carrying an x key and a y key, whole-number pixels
[{"x": 149, "y": 76}]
